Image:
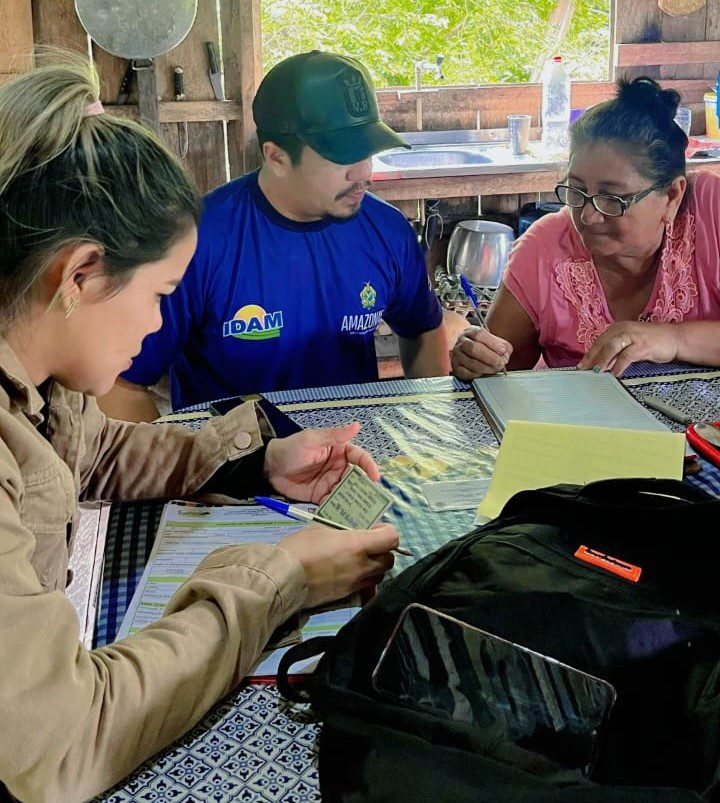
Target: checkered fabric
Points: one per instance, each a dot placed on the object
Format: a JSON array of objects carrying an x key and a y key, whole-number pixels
[{"x": 130, "y": 536}]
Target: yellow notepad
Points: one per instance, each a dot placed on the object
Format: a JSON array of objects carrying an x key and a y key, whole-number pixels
[{"x": 534, "y": 455}]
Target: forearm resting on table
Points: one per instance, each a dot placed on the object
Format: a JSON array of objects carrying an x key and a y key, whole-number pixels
[
  {"x": 129, "y": 402},
  {"x": 698, "y": 342},
  {"x": 426, "y": 354}
]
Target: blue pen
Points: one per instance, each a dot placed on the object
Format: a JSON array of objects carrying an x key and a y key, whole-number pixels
[
  {"x": 473, "y": 300},
  {"x": 470, "y": 293},
  {"x": 298, "y": 513}
]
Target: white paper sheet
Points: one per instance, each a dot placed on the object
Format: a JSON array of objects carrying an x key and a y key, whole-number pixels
[{"x": 189, "y": 532}]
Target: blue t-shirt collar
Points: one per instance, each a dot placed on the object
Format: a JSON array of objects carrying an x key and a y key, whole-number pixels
[{"x": 292, "y": 225}]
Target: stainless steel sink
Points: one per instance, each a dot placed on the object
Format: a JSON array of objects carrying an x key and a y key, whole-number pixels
[
  {"x": 432, "y": 157},
  {"x": 459, "y": 136},
  {"x": 455, "y": 153}
]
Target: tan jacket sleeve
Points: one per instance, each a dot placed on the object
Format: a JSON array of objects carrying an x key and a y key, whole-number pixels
[
  {"x": 120, "y": 460},
  {"x": 75, "y": 722}
]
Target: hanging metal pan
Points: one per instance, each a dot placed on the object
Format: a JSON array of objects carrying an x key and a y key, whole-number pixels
[{"x": 137, "y": 29}]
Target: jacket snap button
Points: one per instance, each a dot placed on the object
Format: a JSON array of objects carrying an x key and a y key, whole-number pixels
[{"x": 243, "y": 440}]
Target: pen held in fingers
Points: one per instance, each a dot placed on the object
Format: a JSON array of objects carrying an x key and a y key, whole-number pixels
[
  {"x": 502, "y": 368},
  {"x": 500, "y": 350},
  {"x": 293, "y": 512},
  {"x": 474, "y": 318}
]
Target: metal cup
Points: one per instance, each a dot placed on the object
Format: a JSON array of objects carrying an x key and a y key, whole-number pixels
[{"x": 519, "y": 131}]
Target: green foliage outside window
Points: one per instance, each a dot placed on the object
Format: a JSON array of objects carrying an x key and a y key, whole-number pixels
[{"x": 483, "y": 41}]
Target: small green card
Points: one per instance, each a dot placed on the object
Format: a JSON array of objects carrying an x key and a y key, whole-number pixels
[{"x": 356, "y": 501}]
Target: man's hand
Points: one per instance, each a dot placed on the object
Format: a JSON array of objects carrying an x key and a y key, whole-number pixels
[{"x": 306, "y": 466}]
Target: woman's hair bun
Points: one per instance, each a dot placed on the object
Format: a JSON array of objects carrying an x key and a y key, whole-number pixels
[{"x": 646, "y": 95}]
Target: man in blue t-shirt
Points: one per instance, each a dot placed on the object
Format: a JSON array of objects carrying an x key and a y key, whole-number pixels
[{"x": 296, "y": 263}]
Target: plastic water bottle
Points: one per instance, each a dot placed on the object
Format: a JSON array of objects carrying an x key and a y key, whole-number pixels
[{"x": 555, "y": 108}]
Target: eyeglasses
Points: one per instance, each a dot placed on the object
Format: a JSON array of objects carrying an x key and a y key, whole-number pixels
[{"x": 608, "y": 205}]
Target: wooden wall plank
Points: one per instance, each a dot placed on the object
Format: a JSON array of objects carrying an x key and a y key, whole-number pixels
[
  {"x": 242, "y": 57},
  {"x": 636, "y": 21},
  {"x": 689, "y": 28},
  {"x": 712, "y": 33},
  {"x": 56, "y": 23},
  {"x": 666, "y": 53},
  {"x": 205, "y": 159},
  {"x": 148, "y": 95},
  {"x": 16, "y": 36},
  {"x": 190, "y": 111},
  {"x": 111, "y": 70},
  {"x": 191, "y": 56},
  {"x": 500, "y": 204},
  {"x": 652, "y": 43}
]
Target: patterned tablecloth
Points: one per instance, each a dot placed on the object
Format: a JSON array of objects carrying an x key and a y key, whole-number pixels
[{"x": 253, "y": 746}]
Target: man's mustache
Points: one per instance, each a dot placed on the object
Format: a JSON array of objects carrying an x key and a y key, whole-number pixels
[{"x": 361, "y": 185}]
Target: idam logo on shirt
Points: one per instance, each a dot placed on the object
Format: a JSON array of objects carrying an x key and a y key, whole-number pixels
[{"x": 251, "y": 322}]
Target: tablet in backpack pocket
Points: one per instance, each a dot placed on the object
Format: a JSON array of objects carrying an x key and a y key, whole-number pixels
[{"x": 529, "y": 710}]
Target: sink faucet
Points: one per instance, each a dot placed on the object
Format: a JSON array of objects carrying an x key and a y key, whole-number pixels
[{"x": 422, "y": 66}]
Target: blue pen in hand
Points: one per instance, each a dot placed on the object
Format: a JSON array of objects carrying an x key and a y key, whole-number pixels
[
  {"x": 294, "y": 512},
  {"x": 472, "y": 298}
]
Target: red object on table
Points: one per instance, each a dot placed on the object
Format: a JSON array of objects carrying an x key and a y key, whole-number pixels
[
  {"x": 695, "y": 145},
  {"x": 703, "y": 447}
]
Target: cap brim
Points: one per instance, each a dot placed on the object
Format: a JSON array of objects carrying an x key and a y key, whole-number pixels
[{"x": 349, "y": 145}]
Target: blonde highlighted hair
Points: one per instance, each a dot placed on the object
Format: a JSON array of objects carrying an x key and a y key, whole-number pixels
[{"x": 67, "y": 178}]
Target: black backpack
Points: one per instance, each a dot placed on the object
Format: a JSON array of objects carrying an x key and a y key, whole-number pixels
[{"x": 656, "y": 640}]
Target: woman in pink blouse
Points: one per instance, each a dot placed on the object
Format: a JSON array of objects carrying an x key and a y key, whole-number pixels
[{"x": 629, "y": 271}]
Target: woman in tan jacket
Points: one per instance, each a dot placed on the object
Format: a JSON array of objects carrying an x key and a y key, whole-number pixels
[{"x": 97, "y": 223}]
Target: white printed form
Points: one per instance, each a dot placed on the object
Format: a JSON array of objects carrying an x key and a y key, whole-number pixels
[{"x": 188, "y": 533}]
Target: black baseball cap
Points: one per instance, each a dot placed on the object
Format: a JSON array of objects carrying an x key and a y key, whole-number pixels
[{"x": 329, "y": 102}]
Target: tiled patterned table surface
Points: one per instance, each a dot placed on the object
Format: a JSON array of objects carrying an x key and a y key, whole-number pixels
[{"x": 253, "y": 746}]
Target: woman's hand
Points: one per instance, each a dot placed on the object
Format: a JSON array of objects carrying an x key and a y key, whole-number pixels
[
  {"x": 340, "y": 562},
  {"x": 479, "y": 353},
  {"x": 307, "y": 465},
  {"x": 624, "y": 343}
]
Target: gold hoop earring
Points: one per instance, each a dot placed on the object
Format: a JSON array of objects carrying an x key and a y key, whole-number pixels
[{"x": 72, "y": 306}]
